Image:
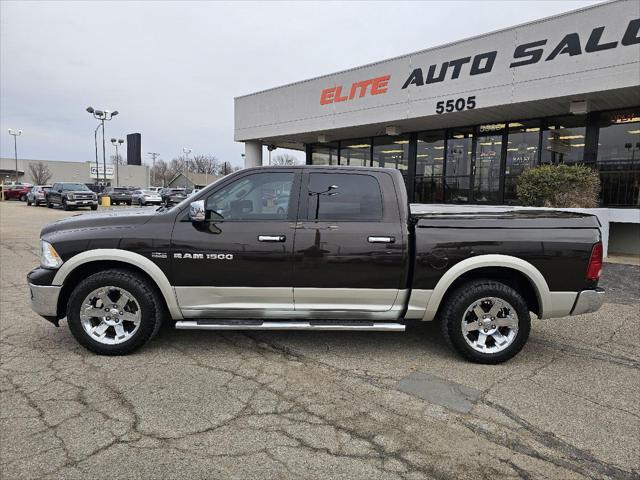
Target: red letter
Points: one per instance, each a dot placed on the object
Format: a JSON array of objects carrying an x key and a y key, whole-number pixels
[
  {"x": 338, "y": 97},
  {"x": 380, "y": 85},
  {"x": 327, "y": 95}
]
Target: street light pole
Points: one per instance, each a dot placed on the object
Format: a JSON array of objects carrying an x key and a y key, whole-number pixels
[
  {"x": 15, "y": 147},
  {"x": 115, "y": 143},
  {"x": 95, "y": 140},
  {"x": 186, "y": 152},
  {"x": 102, "y": 115}
]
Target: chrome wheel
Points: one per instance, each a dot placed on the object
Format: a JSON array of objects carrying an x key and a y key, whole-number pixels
[
  {"x": 110, "y": 315},
  {"x": 489, "y": 325}
]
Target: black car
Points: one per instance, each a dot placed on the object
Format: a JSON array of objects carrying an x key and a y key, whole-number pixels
[
  {"x": 71, "y": 195},
  {"x": 117, "y": 195},
  {"x": 171, "y": 196},
  {"x": 316, "y": 248}
]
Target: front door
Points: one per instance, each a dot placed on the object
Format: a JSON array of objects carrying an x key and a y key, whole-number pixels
[
  {"x": 350, "y": 260},
  {"x": 488, "y": 161},
  {"x": 238, "y": 263}
]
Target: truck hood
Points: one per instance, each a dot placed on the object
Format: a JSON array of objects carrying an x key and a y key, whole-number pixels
[{"x": 114, "y": 219}]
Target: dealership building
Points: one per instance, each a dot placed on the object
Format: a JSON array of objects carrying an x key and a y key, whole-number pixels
[{"x": 462, "y": 121}]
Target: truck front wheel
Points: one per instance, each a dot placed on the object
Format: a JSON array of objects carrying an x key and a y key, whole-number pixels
[
  {"x": 114, "y": 312},
  {"x": 486, "y": 321}
]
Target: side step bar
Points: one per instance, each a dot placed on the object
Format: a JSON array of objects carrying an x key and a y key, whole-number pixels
[{"x": 330, "y": 325}]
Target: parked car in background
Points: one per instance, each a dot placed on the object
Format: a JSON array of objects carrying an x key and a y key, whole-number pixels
[
  {"x": 17, "y": 192},
  {"x": 38, "y": 195},
  {"x": 155, "y": 189},
  {"x": 71, "y": 195},
  {"x": 117, "y": 195},
  {"x": 145, "y": 197},
  {"x": 172, "y": 196}
]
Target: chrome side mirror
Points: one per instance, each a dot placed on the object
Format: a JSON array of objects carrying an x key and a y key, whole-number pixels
[{"x": 196, "y": 211}]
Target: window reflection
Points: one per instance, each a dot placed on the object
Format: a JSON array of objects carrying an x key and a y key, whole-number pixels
[
  {"x": 324, "y": 154},
  {"x": 563, "y": 140},
  {"x": 356, "y": 152},
  {"x": 430, "y": 167},
  {"x": 458, "y": 166},
  {"x": 522, "y": 154}
]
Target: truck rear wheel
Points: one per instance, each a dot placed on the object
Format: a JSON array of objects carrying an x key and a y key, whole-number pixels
[
  {"x": 486, "y": 321},
  {"x": 114, "y": 312}
]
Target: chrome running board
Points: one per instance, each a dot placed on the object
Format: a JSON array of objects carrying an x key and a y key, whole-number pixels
[{"x": 329, "y": 325}]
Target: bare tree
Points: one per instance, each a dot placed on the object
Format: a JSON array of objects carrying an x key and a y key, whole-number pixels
[
  {"x": 225, "y": 168},
  {"x": 40, "y": 173},
  {"x": 284, "y": 159},
  {"x": 159, "y": 173},
  {"x": 176, "y": 166},
  {"x": 203, "y": 164},
  {"x": 117, "y": 160}
]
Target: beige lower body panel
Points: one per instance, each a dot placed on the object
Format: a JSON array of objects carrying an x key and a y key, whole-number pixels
[{"x": 285, "y": 303}]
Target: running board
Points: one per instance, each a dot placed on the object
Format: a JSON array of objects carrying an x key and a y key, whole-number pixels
[{"x": 330, "y": 325}]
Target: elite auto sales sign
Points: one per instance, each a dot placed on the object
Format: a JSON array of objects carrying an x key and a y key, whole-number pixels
[{"x": 571, "y": 45}]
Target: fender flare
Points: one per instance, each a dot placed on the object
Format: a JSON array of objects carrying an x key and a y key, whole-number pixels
[
  {"x": 492, "y": 260},
  {"x": 124, "y": 256}
]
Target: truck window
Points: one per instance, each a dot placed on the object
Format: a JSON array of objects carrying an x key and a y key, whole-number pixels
[
  {"x": 344, "y": 196},
  {"x": 261, "y": 196}
]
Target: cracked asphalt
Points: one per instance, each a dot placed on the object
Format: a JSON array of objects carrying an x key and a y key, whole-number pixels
[{"x": 206, "y": 405}]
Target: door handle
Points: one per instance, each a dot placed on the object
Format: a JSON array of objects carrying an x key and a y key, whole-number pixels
[
  {"x": 271, "y": 238},
  {"x": 382, "y": 239}
]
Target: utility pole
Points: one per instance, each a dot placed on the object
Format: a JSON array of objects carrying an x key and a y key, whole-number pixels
[
  {"x": 15, "y": 147},
  {"x": 154, "y": 155}
]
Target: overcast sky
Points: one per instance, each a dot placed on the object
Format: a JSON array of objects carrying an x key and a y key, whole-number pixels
[{"x": 172, "y": 69}]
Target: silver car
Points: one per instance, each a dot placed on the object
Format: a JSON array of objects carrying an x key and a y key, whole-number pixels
[
  {"x": 37, "y": 195},
  {"x": 145, "y": 197}
]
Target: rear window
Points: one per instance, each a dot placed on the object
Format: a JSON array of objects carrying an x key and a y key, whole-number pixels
[{"x": 344, "y": 196}]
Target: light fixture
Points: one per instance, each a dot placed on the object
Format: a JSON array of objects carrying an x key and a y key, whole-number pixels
[
  {"x": 578, "y": 145},
  {"x": 535, "y": 129},
  {"x": 570, "y": 137},
  {"x": 634, "y": 132},
  {"x": 515, "y": 124},
  {"x": 322, "y": 138},
  {"x": 393, "y": 130},
  {"x": 422, "y": 155},
  {"x": 439, "y": 147},
  {"x": 391, "y": 151},
  {"x": 401, "y": 142},
  {"x": 360, "y": 145}
]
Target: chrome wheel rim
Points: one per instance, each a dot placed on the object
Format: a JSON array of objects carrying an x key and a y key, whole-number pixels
[
  {"x": 489, "y": 325},
  {"x": 110, "y": 315}
]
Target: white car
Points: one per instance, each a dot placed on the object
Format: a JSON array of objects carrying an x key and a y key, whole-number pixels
[{"x": 145, "y": 197}]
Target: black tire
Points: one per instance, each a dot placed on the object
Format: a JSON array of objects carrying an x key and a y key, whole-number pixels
[
  {"x": 23, "y": 198},
  {"x": 29, "y": 203},
  {"x": 94, "y": 207},
  {"x": 455, "y": 305},
  {"x": 65, "y": 206},
  {"x": 151, "y": 306},
  {"x": 49, "y": 204},
  {"x": 129, "y": 203}
]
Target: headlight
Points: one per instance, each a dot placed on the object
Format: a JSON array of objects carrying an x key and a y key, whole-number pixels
[
  {"x": 49, "y": 258},
  {"x": 70, "y": 196},
  {"x": 95, "y": 197}
]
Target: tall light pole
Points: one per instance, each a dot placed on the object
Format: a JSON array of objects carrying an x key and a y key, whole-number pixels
[
  {"x": 154, "y": 155},
  {"x": 103, "y": 115},
  {"x": 95, "y": 140},
  {"x": 15, "y": 147},
  {"x": 115, "y": 143}
]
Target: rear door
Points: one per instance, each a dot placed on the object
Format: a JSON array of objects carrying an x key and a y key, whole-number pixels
[
  {"x": 350, "y": 254},
  {"x": 239, "y": 262}
]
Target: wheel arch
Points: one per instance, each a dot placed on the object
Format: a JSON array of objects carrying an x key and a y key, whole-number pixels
[
  {"x": 92, "y": 261},
  {"x": 493, "y": 266}
]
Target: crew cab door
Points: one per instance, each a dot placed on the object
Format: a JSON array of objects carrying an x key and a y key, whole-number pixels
[
  {"x": 350, "y": 254},
  {"x": 238, "y": 263}
]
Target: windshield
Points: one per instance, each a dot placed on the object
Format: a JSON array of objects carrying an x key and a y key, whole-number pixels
[{"x": 74, "y": 186}]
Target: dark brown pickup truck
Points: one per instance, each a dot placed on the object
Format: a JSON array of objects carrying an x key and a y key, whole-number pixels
[{"x": 316, "y": 248}]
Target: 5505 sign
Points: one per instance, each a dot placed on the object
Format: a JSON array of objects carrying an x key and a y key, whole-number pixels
[{"x": 456, "y": 104}]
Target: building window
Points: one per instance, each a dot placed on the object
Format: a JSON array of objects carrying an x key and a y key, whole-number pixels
[
  {"x": 563, "y": 140},
  {"x": 522, "y": 154},
  {"x": 429, "y": 184},
  {"x": 458, "y": 166},
  {"x": 356, "y": 152},
  {"x": 392, "y": 152},
  {"x": 488, "y": 163},
  {"x": 619, "y": 158},
  {"x": 324, "y": 154}
]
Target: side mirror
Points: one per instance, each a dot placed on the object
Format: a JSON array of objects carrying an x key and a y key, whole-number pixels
[{"x": 196, "y": 211}]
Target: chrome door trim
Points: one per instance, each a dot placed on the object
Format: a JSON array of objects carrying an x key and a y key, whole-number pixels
[{"x": 377, "y": 239}]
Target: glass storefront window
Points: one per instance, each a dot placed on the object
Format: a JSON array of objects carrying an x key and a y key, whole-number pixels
[
  {"x": 458, "y": 166},
  {"x": 356, "y": 152},
  {"x": 391, "y": 152},
  {"x": 522, "y": 154},
  {"x": 430, "y": 167},
  {"x": 619, "y": 158},
  {"x": 563, "y": 140},
  {"x": 324, "y": 154},
  {"x": 486, "y": 183}
]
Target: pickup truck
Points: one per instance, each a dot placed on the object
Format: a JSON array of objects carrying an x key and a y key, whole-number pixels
[
  {"x": 71, "y": 196},
  {"x": 343, "y": 253}
]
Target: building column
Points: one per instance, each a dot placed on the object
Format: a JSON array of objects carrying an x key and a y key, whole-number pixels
[{"x": 252, "y": 154}]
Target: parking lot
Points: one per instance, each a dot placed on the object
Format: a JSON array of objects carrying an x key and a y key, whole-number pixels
[{"x": 195, "y": 404}]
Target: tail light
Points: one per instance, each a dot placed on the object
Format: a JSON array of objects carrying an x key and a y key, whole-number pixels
[{"x": 595, "y": 263}]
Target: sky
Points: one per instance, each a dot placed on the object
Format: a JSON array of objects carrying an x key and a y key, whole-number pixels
[{"x": 172, "y": 69}]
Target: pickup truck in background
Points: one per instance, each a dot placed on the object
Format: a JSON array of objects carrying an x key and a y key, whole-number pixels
[
  {"x": 343, "y": 252},
  {"x": 71, "y": 196}
]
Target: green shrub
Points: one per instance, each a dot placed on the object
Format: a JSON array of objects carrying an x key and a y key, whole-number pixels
[{"x": 559, "y": 186}]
